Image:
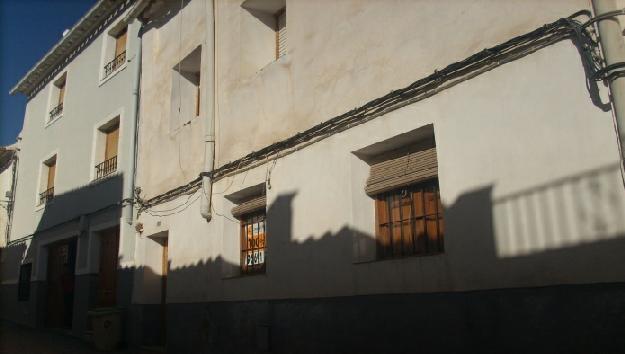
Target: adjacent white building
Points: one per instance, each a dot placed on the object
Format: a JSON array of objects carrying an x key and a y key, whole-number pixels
[{"x": 76, "y": 157}]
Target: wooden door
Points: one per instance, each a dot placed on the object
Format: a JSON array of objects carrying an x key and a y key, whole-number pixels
[
  {"x": 112, "y": 137},
  {"x": 60, "y": 284},
  {"x": 164, "y": 272},
  {"x": 107, "y": 277},
  {"x": 120, "y": 43}
]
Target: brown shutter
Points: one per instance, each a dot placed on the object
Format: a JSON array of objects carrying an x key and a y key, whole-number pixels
[
  {"x": 401, "y": 171},
  {"x": 250, "y": 206},
  {"x": 51, "y": 173},
  {"x": 281, "y": 34},
  {"x": 61, "y": 92},
  {"x": 120, "y": 43},
  {"x": 111, "y": 143}
]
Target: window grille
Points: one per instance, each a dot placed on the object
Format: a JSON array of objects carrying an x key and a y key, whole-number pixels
[
  {"x": 410, "y": 221},
  {"x": 253, "y": 243}
]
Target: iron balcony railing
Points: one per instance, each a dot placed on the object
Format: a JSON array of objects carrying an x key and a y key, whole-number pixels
[
  {"x": 56, "y": 111},
  {"x": 114, "y": 64},
  {"x": 106, "y": 167},
  {"x": 46, "y": 196}
]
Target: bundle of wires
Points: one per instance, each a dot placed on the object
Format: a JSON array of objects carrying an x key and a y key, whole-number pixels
[{"x": 476, "y": 64}]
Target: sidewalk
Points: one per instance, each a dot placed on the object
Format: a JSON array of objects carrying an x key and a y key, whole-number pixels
[{"x": 16, "y": 339}]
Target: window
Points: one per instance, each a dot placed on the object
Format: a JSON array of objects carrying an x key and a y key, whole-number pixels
[
  {"x": 23, "y": 289},
  {"x": 281, "y": 33},
  {"x": 409, "y": 213},
  {"x": 117, "y": 58},
  {"x": 58, "y": 96},
  {"x": 49, "y": 174},
  {"x": 263, "y": 34},
  {"x": 109, "y": 133},
  {"x": 253, "y": 234},
  {"x": 185, "y": 91},
  {"x": 409, "y": 221}
]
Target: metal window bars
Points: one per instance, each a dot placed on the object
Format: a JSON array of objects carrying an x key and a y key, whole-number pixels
[
  {"x": 46, "y": 196},
  {"x": 114, "y": 64},
  {"x": 253, "y": 243},
  {"x": 412, "y": 222},
  {"x": 56, "y": 111},
  {"x": 105, "y": 168}
]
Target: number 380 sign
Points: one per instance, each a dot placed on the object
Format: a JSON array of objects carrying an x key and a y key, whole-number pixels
[{"x": 255, "y": 257}]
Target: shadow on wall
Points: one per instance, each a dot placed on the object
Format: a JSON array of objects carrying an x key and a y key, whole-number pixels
[
  {"x": 60, "y": 220},
  {"x": 567, "y": 318},
  {"x": 94, "y": 197},
  {"x": 161, "y": 12},
  {"x": 581, "y": 317},
  {"x": 64, "y": 208}
]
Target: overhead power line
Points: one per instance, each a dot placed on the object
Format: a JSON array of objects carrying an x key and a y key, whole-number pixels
[{"x": 476, "y": 64}]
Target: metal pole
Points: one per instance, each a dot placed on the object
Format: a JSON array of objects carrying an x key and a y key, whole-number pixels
[{"x": 613, "y": 47}]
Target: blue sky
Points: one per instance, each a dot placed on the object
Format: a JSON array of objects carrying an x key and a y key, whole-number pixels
[{"x": 28, "y": 29}]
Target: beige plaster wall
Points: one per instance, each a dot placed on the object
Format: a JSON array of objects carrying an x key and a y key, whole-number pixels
[
  {"x": 342, "y": 54},
  {"x": 529, "y": 178},
  {"x": 170, "y": 157}
]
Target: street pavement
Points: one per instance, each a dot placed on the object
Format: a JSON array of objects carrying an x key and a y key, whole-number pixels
[{"x": 16, "y": 339}]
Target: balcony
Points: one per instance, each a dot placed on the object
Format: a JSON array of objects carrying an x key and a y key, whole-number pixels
[
  {"x": 46, "y": 196},
  {"x": 114, "y": 64},
  {"x": 56, "y": 111},
  {"x": 105, "y": 168}
]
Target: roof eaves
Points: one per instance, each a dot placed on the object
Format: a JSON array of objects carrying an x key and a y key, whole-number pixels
[{"x": 78, "y": 33}]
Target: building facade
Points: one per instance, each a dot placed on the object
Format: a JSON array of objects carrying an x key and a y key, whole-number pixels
[
  {"x": 480, "y": 198},
  {"x": 68, "y": 245},
  {"x": 8, "y": 166},
  {"x": 335, "y": 176}
]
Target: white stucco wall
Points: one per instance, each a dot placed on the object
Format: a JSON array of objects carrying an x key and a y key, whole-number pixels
[{"x": 528, "y": 166}]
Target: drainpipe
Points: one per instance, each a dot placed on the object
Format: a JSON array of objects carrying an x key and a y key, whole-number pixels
[
  {"x": 209, "y": 122},
  {"x": 129, "y": 183},
  {"x": 613, "y": 47}
]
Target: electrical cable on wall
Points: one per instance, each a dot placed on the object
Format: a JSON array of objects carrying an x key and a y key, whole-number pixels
[{"x": 476, "y": 64}]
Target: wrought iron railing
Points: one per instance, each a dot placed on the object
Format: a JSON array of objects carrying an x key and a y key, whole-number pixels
[
  {"x": 106, "y": 167},
  {"x": 46, "y": 196},
  {"x": 56, "y": 111},
  {"x": 114, "y": 64}
]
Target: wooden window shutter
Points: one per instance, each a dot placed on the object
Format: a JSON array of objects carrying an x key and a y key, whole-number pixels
[
  {"x": 61, "y": 92},
  {"x": 112, "y": 138},
  {"x": 281, "y": 36},
  {"x": 51, "y": 173},
  {"x": 120, "y": 43},
  {"x": 250, "y": 206},
  {"x": 412, "y": 167}
]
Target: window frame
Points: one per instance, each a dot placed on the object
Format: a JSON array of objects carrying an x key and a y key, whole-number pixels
[
  {"x": 280, "y": 53},
  {"x": 420, "y": 243},
  {"x": 44, "y": 178}
]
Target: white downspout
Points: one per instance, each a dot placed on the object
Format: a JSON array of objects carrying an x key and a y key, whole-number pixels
[
  {"x": 613, "y": 47},
  {"x": 209, "y": 123},
  {"x": 129, "y": 183}
]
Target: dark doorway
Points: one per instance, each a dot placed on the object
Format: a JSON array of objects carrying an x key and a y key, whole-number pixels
[
  {"x": 60, "y": 289},
  {"x": 107, "y": 276},
  {"x": 163, "y": 310}
]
